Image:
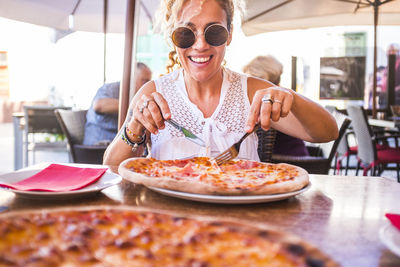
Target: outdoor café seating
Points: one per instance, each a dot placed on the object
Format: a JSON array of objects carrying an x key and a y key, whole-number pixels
[
  {"x": 40, "y": 120},
  {"x": 321, "y": 161},
  {"x": 373, "y": 153},
  {"x": 72, "y": 123},
  {"x": 344, "y": 149},
  {"x": 266, "y": 141}
]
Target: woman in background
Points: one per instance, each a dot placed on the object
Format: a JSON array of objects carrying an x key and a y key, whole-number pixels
[{"x": 270, "y": 69}]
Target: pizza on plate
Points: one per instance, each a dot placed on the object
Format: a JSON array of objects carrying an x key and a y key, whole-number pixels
[
  {"x": 202, "y": 175},
  {"x": 124, "y": 236}
]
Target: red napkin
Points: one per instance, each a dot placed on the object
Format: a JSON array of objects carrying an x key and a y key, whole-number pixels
[
  {"x": 394, "y": 219},
  {"x": 58, "y": 178}
]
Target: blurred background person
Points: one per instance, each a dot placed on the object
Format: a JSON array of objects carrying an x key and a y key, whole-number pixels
[
  {"x": 269, "y": 68},
  {"x": 394, "y": 49},
  {"x": 382, "y": 81},
  {"x": 102, "y": 117}
]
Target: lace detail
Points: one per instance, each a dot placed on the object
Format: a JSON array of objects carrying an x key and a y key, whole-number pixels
[
  {"x": 180, "y": 111},
  {"x": 219, "y": 131},
  {"x": 234, "y": 110}
]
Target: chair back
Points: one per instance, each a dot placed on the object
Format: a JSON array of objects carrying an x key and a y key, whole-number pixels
[
  {"x": 72, "y": 123},
  {"x": 363, "y": 132},
  {"x": 41, "y": 119},
  {"x": 318, "y": 164},
  {"x": 266, "y": 142},
  {"x": 329, "y": 149},
  {"x": 343, "y": 146}
]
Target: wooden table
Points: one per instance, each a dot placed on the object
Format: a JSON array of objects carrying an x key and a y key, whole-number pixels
[{"x": 341, "y": 215}]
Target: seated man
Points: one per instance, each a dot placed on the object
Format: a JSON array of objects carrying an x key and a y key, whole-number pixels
[
  {"x": 268, "y": 68},
  {"x": 102, "y": 117}
]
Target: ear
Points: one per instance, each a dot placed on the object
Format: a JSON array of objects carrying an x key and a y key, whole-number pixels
[{"x": 230, "y": 35}]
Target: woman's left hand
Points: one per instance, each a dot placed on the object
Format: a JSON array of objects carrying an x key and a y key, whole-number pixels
[{"x": 271, "y": 103}]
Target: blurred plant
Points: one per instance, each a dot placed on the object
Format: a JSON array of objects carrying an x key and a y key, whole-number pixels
[{"x": 54, "y": 137}]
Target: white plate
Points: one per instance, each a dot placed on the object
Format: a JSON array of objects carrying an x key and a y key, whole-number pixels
[
  {"x": 108, "y": 179},
  {"x": 390, "y": 236},
  {"x": 229, "y": 199}
]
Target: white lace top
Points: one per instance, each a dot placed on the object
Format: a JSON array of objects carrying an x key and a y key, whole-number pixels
[{"x": 220, "y": 131}]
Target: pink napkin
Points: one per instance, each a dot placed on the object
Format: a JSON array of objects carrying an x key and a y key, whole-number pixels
[
  {"x": 394, "y": 219},
  {"x": 58, "y": 178}
]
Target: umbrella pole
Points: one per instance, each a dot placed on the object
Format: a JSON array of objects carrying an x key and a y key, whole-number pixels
[
  {"x": 376, "y": 12},
  {"x": 128, "y": 55},
  {"x": 105, "y": 20}
]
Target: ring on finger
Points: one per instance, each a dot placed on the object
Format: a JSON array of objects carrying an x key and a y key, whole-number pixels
[
  {"x": 277, "y": 101},
  {"x": 267, "y": 99},
  {"x": 146, "y": 103}
]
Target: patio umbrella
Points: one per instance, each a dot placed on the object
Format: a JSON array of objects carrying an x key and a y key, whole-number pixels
[
  {"x": 106, "y": 16},
  {"x": 88, "y": 15},
  {"x": 277, "y": 15}
]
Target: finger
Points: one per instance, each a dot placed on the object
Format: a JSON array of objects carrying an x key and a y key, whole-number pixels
[
  {"x": 265, "y": 114},
  {"x": 147, "y": 120},
  {"x": 144, "y": 115},
  {"x": 162, "y": 103},
  {"x": 254, "y": 112},
  {"x": 276, "y": 110},
  {"x": 155, "y": 114},
  {"x": 286, "y": 105}
]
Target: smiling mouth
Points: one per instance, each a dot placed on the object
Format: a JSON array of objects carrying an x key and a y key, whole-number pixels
[{"x": 200, "y": 59}]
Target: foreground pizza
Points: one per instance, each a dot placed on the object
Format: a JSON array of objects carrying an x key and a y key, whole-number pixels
[
  {"x": 203, "y": 176},
  {"x": 128, "y": 237}
]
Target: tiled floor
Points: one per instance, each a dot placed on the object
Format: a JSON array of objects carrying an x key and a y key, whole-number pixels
[{"x": 7, "y": 151}]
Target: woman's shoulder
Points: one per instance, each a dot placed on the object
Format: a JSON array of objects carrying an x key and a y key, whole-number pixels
[
  {"x": 169, "y": 76},
  {"x": 252, "y": 82}
]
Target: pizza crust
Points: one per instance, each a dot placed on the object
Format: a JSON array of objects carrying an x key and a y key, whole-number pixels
[{"x": 197, "y": 187}]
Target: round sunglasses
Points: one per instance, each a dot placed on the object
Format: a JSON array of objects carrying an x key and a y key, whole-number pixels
[{"x": 215, "y": 35}]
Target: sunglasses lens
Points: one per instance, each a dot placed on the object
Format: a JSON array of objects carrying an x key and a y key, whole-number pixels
[
  {"x": 183, "y": 37},
  {"x": 216, "y": 35}
]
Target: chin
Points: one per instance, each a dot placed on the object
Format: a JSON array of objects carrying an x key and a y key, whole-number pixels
[{"x": 203, "y": 75}]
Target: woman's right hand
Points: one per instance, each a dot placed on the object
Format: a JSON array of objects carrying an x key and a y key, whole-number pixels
[{"x": 149, "y": 113}]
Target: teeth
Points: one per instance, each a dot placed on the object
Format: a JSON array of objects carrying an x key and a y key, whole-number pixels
[{"x": 200, "y": 59}]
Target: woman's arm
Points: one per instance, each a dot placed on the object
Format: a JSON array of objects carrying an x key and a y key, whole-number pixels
[
  {"x": 289, "y": 112},
  {"x": 106, "y": 105},
  {"x": 141, "y": 119}
]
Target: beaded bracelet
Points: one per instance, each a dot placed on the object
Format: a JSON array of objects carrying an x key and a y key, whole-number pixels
[{"x": 134, "y": 145}]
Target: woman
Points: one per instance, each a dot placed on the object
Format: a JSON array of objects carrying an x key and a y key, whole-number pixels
[
  {"x": 270, "y": 69},
  {"x": 213, "y": 102}
]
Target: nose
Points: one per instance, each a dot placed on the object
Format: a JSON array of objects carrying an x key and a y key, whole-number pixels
[{"x": 200, "y": 42}]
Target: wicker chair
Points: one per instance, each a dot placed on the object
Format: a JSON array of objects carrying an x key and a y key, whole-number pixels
[
  {"x": 266, "y": 141},
  {"x": 72, "y": 123},
  {"x": 321, "y": 163},
  {"x": 373, "y": 152}
]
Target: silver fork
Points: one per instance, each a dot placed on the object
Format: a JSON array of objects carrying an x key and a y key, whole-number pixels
[{"x": 233, "y": 151}]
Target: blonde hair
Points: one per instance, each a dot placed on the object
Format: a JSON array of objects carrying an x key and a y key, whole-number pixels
[
  {"x": 167, "y": 15},
  {"x": 265, "y": 67}
]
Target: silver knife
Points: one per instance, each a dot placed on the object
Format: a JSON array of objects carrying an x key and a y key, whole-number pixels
[{"x": 188, "y": 134}]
